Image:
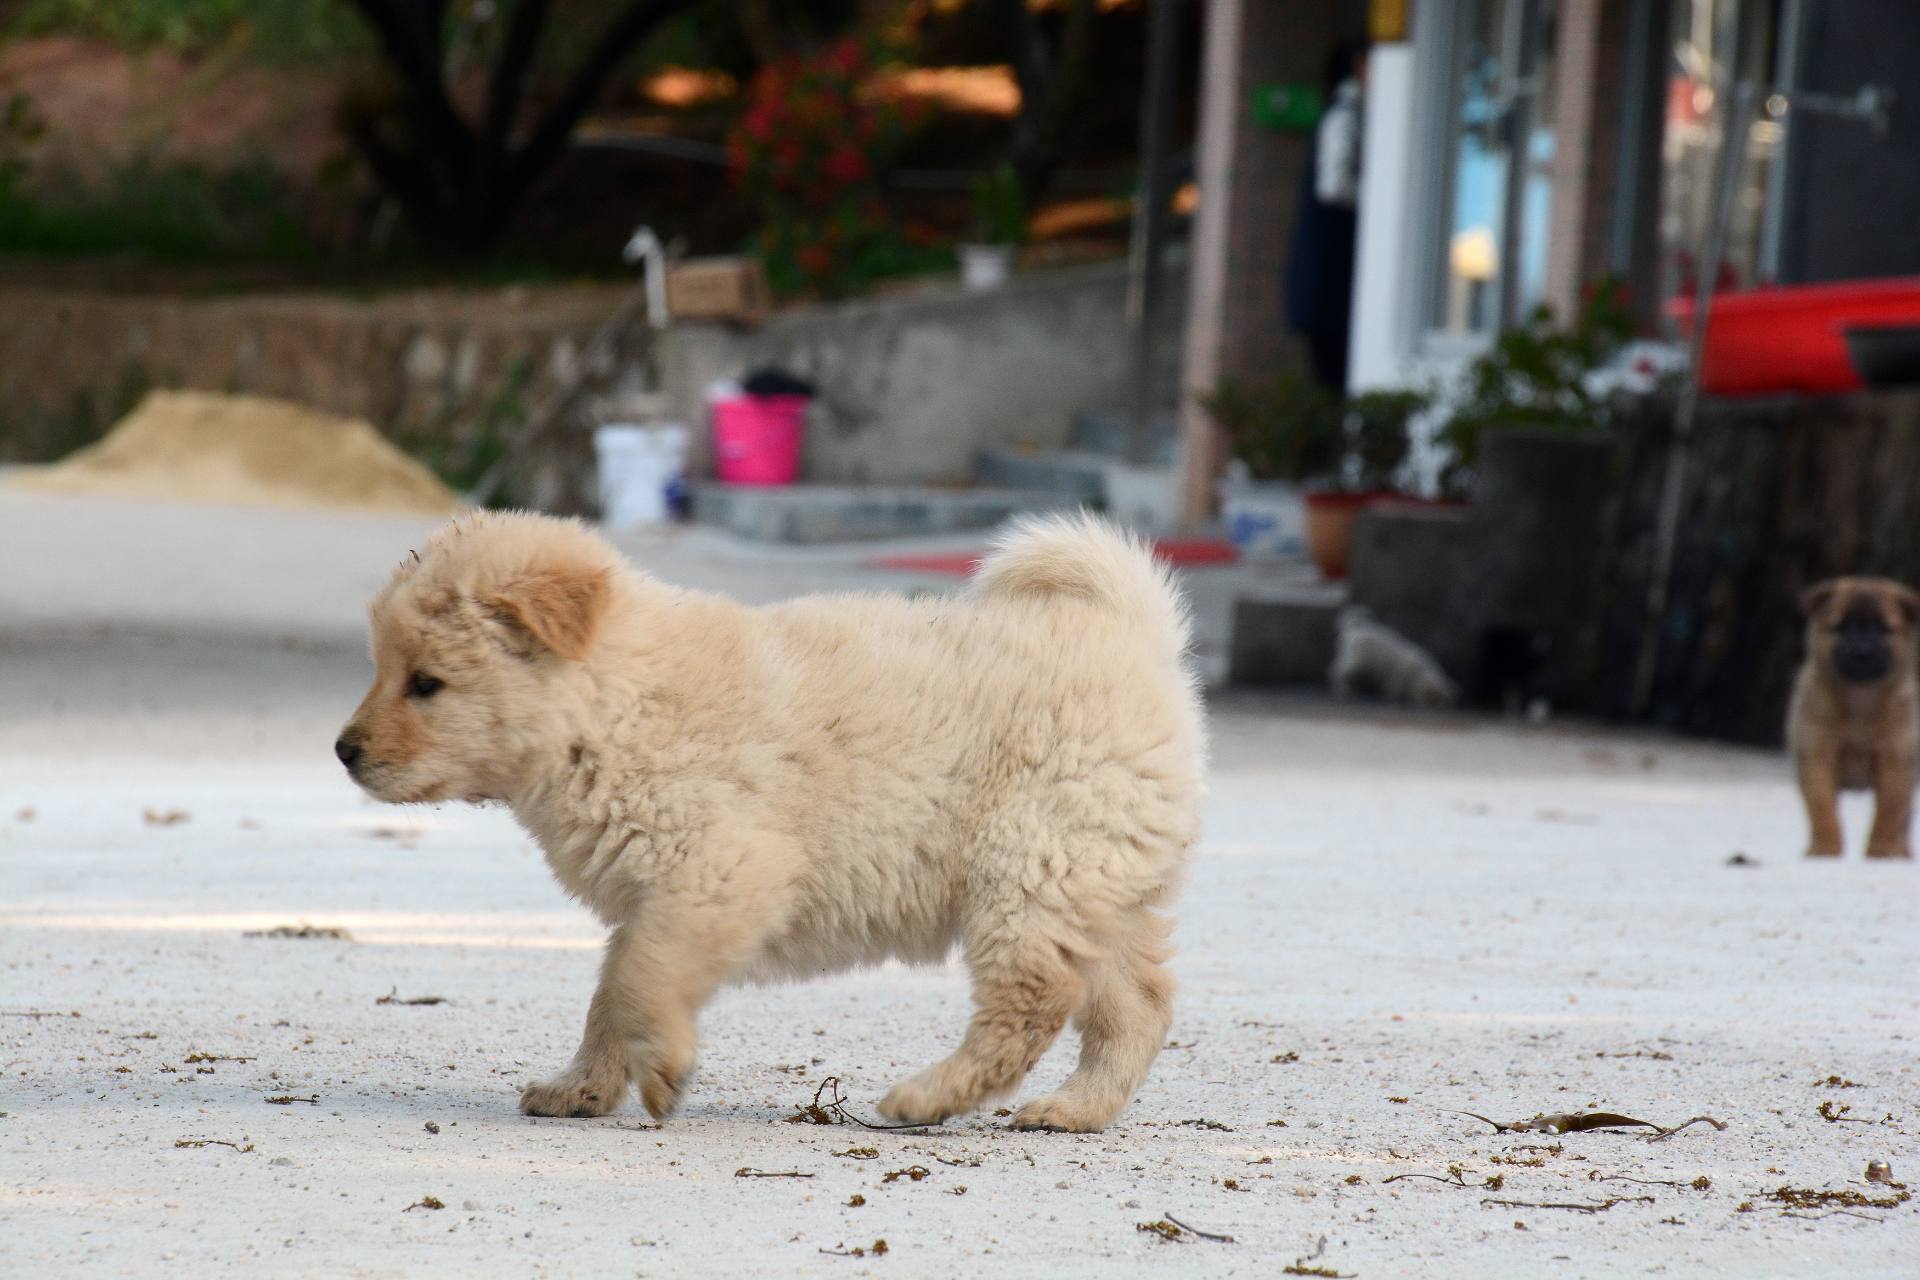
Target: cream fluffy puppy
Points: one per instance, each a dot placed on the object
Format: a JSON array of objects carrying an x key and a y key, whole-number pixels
[{"x": 751, "y": 794}]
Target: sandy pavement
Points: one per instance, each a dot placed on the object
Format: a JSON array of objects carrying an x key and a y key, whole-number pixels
[{"x": 1390, "y": 917}]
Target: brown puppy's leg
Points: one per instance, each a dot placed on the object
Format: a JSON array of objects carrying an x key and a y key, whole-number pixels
[
  {"x": 1820, "y": 789},
  {"x": 1026, "y": 986},
  {"x": 1893, "y": 779},
  {"x": 661, "y": 966},
  {"x": 1123, "y": 1023}
]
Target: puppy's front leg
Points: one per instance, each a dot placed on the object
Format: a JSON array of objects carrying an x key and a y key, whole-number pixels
[
  {"x": 1820, "y": 789},
  {"x": 1893, "y": 779},
  {"x": 689, "y": 935},
  {"x": 595, "y": 1082}
]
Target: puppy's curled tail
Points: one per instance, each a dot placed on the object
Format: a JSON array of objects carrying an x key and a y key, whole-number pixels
[{"x": 1083, "y": 557}]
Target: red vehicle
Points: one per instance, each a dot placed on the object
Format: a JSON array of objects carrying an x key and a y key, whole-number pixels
[{"x": 1767, "y": 341}]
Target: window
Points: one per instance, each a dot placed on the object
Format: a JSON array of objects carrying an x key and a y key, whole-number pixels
[
  {"x": 1716, "y": 43},
  {"x": 1497, "y": 139}
]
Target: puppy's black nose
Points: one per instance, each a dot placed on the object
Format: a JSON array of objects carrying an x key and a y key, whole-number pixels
[{"x": 347, "y": 749}]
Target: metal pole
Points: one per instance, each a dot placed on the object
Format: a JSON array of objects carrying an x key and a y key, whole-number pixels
[
  {"x": 1144, "y": 289},
  {"x": 1519, "y": 90},
  {"x": 1626, "y": 205},
  {"x": 1786, "y": 78},
  {"x": 1730, "y": 163}
]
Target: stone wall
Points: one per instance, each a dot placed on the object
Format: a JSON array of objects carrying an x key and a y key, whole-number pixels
[
  {"x": 1499, "y": 591},
  {"x": 912, "y": 386},
  {"x": 443, "y": 372}
]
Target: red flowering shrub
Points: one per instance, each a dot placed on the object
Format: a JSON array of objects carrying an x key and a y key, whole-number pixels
[{"x": 808, "y": 150}]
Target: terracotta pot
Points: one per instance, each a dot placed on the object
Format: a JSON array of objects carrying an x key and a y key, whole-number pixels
[{"x": 1330, "y": 519}]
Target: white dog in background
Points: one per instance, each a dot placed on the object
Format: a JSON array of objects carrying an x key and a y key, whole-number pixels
[{"x": 1372, "y": 659}]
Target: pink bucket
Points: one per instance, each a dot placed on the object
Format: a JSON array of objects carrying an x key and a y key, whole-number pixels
[{"x": 756, "y": 439}]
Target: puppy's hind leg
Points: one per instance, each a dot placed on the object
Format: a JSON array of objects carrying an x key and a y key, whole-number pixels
[
  {"x": 1123, "y": 1023},
  {"x": 1026, "y": 986}
]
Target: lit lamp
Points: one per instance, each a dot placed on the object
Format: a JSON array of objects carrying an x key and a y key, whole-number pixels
[{"x": 1474, "y": 260}]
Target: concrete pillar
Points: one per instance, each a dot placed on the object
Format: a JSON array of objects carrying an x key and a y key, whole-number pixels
[
  {"x": 1592, "y": 194},
  {"x": 1248, "y": 178},
  {"x": 1577, "y": 76}
]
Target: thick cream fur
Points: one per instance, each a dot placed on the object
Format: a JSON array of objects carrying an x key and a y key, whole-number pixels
[{"x": 754, "y": 794}]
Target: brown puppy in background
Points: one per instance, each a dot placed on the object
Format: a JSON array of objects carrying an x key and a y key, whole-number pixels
[{"x": 1854, "y": 721}]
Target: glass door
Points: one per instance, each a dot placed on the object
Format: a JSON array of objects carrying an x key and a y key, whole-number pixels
[{"x": 1499, "y": 149}]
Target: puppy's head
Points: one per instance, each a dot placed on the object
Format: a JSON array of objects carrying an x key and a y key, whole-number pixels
[
  {"x": 478, "y": 646},
  {"x": 1861, "y": 630}
]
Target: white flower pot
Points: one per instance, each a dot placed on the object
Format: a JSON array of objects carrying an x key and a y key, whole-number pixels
[
  {"x": 985, "y": 266},
  {"x": 1266, "y": 520}
]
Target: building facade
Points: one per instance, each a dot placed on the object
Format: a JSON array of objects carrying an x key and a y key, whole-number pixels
[{"x": 1518, "y": 151}]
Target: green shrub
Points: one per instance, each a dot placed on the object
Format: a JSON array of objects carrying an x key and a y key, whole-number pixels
[
  {"x": 279, "y": 31},
  {"x": 1291, "y": 428},
  {"x": 165, "y": 210},
  {"x": 1535, "y": 377},
  {"x": 999, "y": 207},
  {"x": 1284, "y": 428}
]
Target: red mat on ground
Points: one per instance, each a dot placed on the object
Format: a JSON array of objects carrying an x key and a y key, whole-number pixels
[{"x": 1181, "y": 552}]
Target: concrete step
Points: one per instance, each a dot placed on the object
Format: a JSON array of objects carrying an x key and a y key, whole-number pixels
[
  {"x": 1282, "y": 628},
  {"x": 812, "y": 514},
  {"x": 1081, "y": 477},
  {"x": 1105, "y": 432}
]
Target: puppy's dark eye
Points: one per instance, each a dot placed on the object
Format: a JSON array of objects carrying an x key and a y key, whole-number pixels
[{"x": 422, "y": 685}]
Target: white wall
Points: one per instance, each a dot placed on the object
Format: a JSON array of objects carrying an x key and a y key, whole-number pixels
[{"x": 1384, "y": 287}]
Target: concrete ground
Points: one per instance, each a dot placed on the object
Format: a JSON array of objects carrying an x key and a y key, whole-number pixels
[{"x": 1391, "y": 919}]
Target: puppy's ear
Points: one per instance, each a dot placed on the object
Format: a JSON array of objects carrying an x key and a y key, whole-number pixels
[
  {"x": 556, "y": 607},
  {"x": 1815, "y": 597},
  {"x": 1907, "y": 600}
]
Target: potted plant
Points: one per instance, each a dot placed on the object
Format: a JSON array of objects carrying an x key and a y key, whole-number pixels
[
  {"x": 1000, "y": 224},
  {"x": 809, "y": 151},
  {"x": 1535, "y": 377},
  {"x": 1374, "y": 440},
  {"x": 1283, "y": 432}
]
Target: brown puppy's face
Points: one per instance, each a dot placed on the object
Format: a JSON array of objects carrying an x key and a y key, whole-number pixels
[
  {"x": 470, "y": 675},
  {"x": 1861, "y": 630}
]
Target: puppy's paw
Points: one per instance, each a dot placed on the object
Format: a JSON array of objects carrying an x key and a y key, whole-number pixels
[
  {"x": 1823, "y": 851},
  {"x": 1892, "y": 849},
  {"x": 573, "y": 1095},
  {"x": 1059, "y": 1113},
  {"x": 660, "y": 1064},
  {"x": 922, "y": 1100},
  {"x": 661, "y": 1084}
]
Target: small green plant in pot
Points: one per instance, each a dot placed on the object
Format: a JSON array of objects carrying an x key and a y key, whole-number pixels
[
  {"x": 999, "y": 226},
  {"x": 1283, "y": 432},
  {"x": 1374, "y": 440},
  {"x": 1535, "y": 378},
  {"x": 1309, "y": 461}
]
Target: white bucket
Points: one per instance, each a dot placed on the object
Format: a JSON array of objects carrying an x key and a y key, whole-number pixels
[
  {"x": 638, "y": 467},
  {"x": 985, "y": 266}
]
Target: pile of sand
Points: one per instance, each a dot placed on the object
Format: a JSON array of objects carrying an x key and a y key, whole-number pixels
[{"x": 197, "y": 446}]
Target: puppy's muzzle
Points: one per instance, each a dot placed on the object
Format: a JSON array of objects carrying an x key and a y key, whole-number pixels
[
  {"x": 1862, "y": 659},
  {"x": 347, "y": 750}
]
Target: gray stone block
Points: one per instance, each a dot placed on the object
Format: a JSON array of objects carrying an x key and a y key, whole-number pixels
[
  {"x": 1080, "y": 477},
  {"x": 1415, "y": 569},
  {"x": 812, "y": 514},
  {"x": 1105, "y": 432},
  {"x": 1280, "y": 643}
]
